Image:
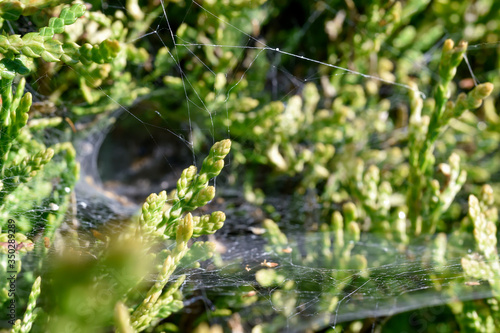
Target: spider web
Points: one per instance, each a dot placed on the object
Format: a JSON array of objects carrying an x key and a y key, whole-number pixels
[{"x": 393, "y": 282}]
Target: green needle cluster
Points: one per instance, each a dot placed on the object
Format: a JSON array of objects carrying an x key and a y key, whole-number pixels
[
  {"x": 42, "y": 44},
  {"x": 484, "y": 264},
  {"x": 424, "y": 130},
  {"x": 192, "y": 192},
  {"x": 24, "y": 326},
  {"x": 13, "y": 9},
  {"x": 26, "y": 181},
  {"x": 23, "y": 172}
]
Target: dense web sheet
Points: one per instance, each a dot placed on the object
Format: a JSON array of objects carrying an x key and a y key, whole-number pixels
[
  {"x": 394, "y": 282},
  {"x": 302, "y": 289}
]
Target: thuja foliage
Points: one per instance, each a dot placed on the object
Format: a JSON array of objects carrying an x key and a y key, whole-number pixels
[
  {"x": 126, "y": 279},
  {"x": 402, "y": 162},
  {"x": 406, "y": 167},
  {"x": 400, "y": 187},
  {"x": 25, "y": 187},
  {"x": 380, "y": 201}
]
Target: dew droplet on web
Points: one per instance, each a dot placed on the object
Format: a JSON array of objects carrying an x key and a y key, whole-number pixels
[{"x": 53, "y": 206}]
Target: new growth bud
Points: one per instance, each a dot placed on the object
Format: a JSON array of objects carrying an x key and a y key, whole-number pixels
[
  {"x": 221, "y": 149},
  {"x": 482, "y": 90},
  {"x": 204, "y": 196},
  {"x": 350, "y": 213}
]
